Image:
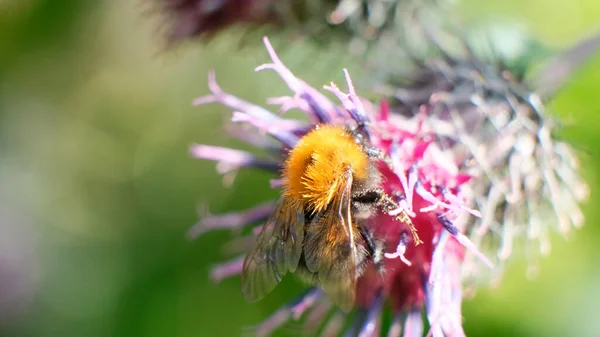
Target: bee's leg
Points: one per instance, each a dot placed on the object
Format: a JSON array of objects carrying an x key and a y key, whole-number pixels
[
  {"x": 379, "y": 198},
  {"x": 375, "y": 247},
  {"x": 388, "y": 204}
]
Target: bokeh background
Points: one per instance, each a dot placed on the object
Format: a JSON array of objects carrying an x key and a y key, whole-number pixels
[{"x": 97, "y": 188}]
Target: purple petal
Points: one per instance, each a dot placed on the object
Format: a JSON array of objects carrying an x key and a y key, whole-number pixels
[
  {"x": 326, "y": 109},
  {"x": 227, "y": 269},
  {"x": 350, "y": 101},
  {"x": 306, "y": 302},
  {"x": 396, "y": 327},
  {"x": 234, "y": 220},
  {"x": 282, "y": 131},
  {"x": 318, "y": 314},
  {"x": 229, "y": 160},
  {"x": 291, "y": 310},
  {"x": 370, "y": 327},
  {"x": 462, "y": 239},
  {"x": 233, "y": 102},
  {"x": 413, "y": 325},
  {"x": 251, "y": 137},
  {"x": 444, "y": 292},
  {"x": 334, "y": 325}
]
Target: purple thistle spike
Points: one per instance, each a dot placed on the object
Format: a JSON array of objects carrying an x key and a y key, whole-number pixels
[{"x": 466, "y": 165}]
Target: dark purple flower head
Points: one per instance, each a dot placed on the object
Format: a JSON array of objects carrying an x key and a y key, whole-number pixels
[
  {"x": 357, "y": 21},
  {"x": 190, "y": 18},
  {"x": 466, "y": 166}
]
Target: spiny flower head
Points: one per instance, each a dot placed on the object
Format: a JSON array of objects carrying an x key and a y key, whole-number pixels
[
  {"x": 359, "y": 21},
  {"x": 462, "y": 168},
  {"x": 497, "y": 126}
]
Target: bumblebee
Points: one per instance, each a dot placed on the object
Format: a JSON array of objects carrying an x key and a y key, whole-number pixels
[{"x": 331, "y": 186}]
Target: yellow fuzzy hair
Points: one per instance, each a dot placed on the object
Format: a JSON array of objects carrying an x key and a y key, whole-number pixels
[{"x": 316, "y": 167}]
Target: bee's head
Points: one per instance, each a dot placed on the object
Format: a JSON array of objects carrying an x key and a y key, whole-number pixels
[{"x": 360, "y": 132}]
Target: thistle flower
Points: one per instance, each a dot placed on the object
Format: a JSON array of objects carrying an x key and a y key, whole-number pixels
[
  {"x": 191, "y": 18},
  {"x": 359, "y": 21},
  {"x": 496, "y": 126},
  {"x": 467, "y": 165}
]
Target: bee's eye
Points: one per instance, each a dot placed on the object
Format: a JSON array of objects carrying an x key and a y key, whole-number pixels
[{"x": 368, "y": 197}]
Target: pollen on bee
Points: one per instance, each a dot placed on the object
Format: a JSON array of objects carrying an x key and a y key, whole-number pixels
[{"x": 317, "y": 165}]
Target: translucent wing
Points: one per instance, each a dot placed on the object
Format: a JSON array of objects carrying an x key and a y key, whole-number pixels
[
  {"x": 333, "y": 248},
  {"x": 276, "y": 251}
]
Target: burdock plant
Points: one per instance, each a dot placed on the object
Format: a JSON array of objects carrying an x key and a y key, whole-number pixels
[
  {"x": 474, "y": 161},
  {"x": 361, "y": 23}
]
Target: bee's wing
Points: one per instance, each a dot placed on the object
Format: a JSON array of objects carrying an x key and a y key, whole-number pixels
[
  {"x": 276, "y": 251},
  {"x": 331, "y": 248}
]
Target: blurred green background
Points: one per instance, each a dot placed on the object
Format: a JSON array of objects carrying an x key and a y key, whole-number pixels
[{"x": 97, "y": 188}]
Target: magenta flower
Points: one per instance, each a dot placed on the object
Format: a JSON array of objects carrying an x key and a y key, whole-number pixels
[{"x": 466, "y": 173}]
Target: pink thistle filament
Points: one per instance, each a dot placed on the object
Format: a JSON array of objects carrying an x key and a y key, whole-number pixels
[{"x": 454, "y": 194}]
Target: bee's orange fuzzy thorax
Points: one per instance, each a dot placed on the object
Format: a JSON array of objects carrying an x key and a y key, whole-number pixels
[{"x": 317, "y": 165}]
